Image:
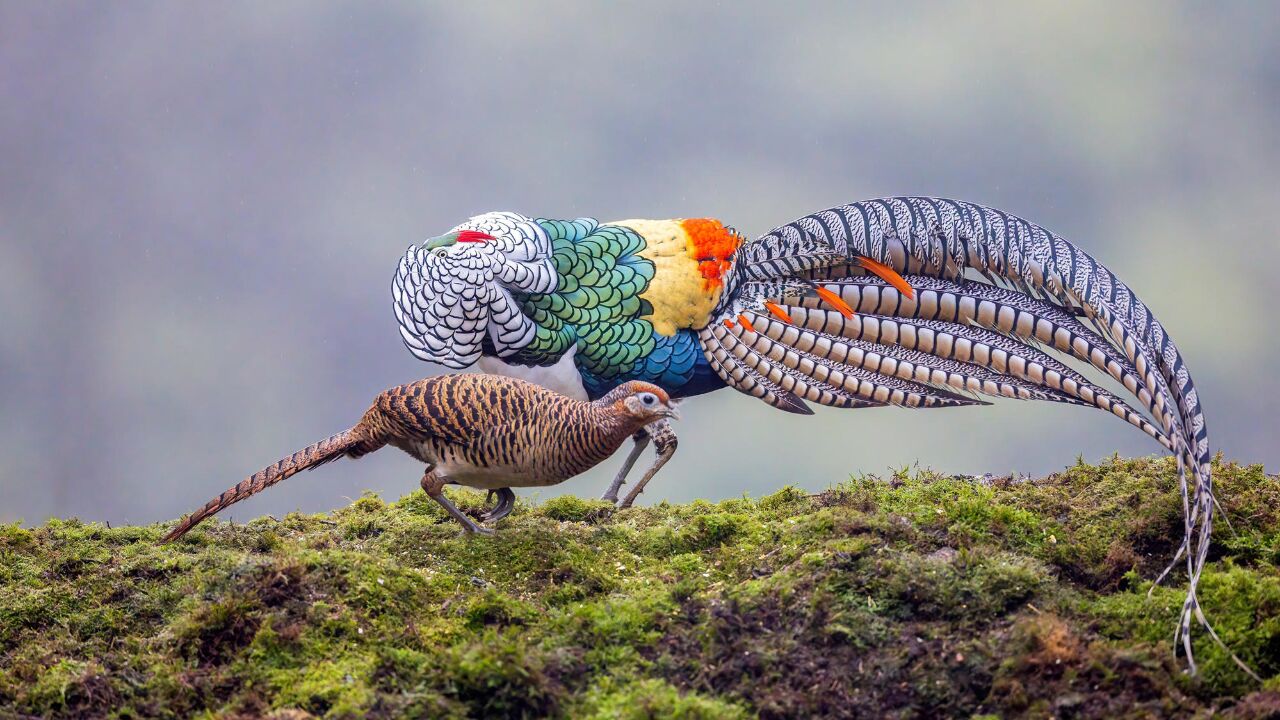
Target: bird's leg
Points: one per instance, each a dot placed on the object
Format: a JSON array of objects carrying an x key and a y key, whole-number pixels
[
  {"x": 641, "y": 441},
  {"x": 664, "y": 444},
  {"x": 506, "y": 503},
  {"x": 433, "y": 484}
]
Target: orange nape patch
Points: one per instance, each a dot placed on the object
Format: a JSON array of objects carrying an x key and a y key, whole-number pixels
[
  {"x": 712, "y": 245},
  {"x": 713, "y": 272}
]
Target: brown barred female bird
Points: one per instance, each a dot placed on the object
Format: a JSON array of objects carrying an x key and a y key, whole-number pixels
[{"x": 483, "y": 431}]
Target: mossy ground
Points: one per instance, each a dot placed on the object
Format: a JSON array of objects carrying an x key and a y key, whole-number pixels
[{"x": 912, "y": 596}]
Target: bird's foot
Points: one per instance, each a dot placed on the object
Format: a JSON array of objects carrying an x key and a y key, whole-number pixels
[
  {"x": 506, "y": 503},
  {"x": 433, "y": 485},
  {"x": 665, "y": 442},
  {"x": 640, "y": 440}
]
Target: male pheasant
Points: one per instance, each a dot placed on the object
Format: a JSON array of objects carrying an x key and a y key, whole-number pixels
[
  {"x": 909, "y": 301},
  {"x": 483, "y": 431}
]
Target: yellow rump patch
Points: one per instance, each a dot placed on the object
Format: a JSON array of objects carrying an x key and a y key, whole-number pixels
[{"x": 690, "y": 259}]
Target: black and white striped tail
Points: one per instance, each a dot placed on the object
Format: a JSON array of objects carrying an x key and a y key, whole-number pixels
[{"x": 995, "y": 295}]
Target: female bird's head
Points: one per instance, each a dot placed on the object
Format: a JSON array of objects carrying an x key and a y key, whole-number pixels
[{"x": 641, "y": 402}]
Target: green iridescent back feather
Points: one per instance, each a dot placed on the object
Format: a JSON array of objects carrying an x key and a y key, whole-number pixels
[{"x": 597, "y": 304}]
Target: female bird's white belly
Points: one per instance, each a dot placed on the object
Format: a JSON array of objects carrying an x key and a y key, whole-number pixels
[
  {"x": 492, "y": 478},
  {"x": 458, "y": 470},
  {"x": 562, "y": 377}
]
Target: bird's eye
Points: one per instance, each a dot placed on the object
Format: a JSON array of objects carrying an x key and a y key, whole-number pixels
[
  {"x": 441, "y": 252},
  {"x": 648, "y": 399}
]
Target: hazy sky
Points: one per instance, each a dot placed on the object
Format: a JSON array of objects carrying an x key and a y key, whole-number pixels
[{"x": 201, "y": 207}]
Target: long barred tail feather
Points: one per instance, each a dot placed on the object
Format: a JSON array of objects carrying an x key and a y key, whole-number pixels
[
  {"x": 793, "y": 367},
  {"x": 350, "y": 442},
  {"x": 945, "y": 326},
  {"x": 993, "y": 294},
  {"x": 747, "y": 379}
]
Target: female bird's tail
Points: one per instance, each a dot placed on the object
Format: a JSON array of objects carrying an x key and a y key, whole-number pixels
[{"x": 350, "y": 442}]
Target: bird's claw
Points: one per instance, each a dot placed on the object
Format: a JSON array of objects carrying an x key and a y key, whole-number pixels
[{"x": 506, "y": 503}]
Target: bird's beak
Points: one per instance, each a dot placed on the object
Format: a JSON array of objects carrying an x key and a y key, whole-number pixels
[
  {"x": 673, "y": 410},
  {"x": 440, "y": 241}
]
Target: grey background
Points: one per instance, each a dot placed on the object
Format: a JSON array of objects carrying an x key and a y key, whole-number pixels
[{"x": 201, "y": 206}]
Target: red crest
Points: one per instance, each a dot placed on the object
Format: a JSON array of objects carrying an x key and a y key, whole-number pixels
[{"x": 473, "y": 236}]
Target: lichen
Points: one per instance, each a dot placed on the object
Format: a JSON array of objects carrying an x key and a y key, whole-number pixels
[{"x": 914, "y": 595}]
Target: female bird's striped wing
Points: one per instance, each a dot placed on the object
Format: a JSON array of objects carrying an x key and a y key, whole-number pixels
[{"x": 924, "y": 302}]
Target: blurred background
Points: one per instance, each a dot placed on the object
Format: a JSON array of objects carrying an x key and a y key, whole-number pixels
[{"x": 201, "y": 206}]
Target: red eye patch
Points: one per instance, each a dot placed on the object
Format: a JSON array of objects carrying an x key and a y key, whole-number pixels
[{"x": 473, "y": 236}]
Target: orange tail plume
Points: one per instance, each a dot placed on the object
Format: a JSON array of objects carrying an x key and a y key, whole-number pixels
[
  {"x": 889, "y": 275},
  {"x": 835, "y": 301},
  {"x": 778, "y": 312}
]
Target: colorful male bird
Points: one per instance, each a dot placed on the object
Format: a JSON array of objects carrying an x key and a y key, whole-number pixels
[
  {"x": 483, "y": 431},
  {"x": 908, "y": 301}
]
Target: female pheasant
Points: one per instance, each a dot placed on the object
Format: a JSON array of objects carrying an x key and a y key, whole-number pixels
[
  {"x": 907, "y": 301},
  {"x": 484, "y": 431}
]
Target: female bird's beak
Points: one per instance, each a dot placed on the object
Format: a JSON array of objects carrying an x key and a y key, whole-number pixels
[{"x": 673, "y": 410}]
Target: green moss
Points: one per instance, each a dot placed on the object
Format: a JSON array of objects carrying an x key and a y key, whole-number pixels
[
  {"x": 568, "y": 508},
  {"x": 326, "y": 687},
  {"x": 654, "y": 700},
  {"x": 495, "y": 608},
  {"x": 966, "y": 586},
  {"x": 916, "y": 595},
  {"x": 502, "y": 675},
  {"x": 1242, "y": 604},
  {"x": 715, "y": 528}
]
